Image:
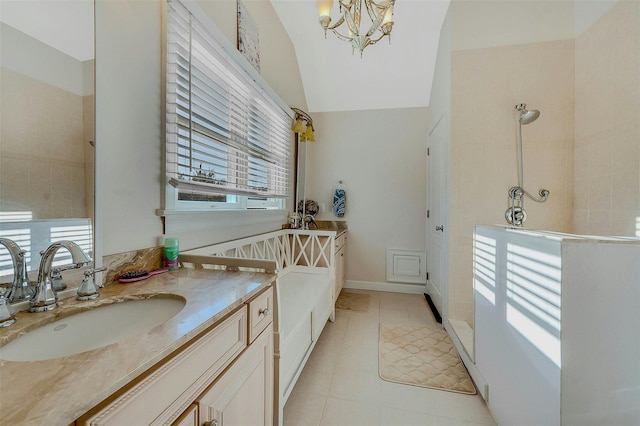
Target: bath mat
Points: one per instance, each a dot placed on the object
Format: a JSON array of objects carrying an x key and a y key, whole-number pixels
[
  {"x": 358, "y": 302},
  {"x": 421, "y": 356}
]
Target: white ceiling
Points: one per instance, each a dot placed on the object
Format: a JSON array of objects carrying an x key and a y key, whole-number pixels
[
  {"x": 387, "y": 76},
  {"x": 66, "y": 25}
]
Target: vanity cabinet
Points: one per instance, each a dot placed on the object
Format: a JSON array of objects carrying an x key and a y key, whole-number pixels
[
  {"x": 339, "y": 262},
  {"x": 171, "y": 392},
  {"x": 244, "y": 394},
  {"x": 189, "y": 417}
]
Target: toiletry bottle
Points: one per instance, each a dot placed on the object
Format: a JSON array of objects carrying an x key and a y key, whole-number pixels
[
  {"x": 171, "y": 253},
  {"x": 294, "y": 221}
]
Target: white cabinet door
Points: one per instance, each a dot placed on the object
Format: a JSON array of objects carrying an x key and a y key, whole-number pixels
[
  {"x": 339, "y": 264},
  {"x": 437, "y": 284},
  {"x": 244, "y": 394}
]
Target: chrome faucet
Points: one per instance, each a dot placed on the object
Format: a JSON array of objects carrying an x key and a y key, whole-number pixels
[
  {"x": 45, "y": 297},
  {"x": 20, "y": 288}
]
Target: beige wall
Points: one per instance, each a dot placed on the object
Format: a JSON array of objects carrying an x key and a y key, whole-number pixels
[
  {"x": 607, "y": 124},
  {"x": 380, "y": 156}
]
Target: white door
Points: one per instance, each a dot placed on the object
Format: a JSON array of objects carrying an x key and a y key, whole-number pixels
[{"x": 436, "y": 256}]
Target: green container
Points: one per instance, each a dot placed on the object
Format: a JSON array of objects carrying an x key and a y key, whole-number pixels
[{"x": 171, "y": 252}]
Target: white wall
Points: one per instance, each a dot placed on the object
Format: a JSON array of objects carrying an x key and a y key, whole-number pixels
[
  {"x": 380, "y": 156},
  {"x": 129, "y": 116}
]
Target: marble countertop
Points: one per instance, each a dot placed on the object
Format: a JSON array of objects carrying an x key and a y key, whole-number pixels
[{"x": 59, "y": 391}]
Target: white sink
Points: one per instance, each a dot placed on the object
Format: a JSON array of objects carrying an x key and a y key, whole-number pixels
[{"x": 92, "y": 329}]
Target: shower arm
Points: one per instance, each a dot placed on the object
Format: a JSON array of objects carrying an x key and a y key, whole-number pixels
[
  {"x": 517, "y": 193},
  {"x": 544, "y": 195}
]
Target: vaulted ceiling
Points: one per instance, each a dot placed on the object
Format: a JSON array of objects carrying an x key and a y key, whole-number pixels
[{"x": 396, "y": 75}]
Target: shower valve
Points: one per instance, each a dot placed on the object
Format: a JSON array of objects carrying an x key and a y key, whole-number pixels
[{"x": 516, "y": 193}]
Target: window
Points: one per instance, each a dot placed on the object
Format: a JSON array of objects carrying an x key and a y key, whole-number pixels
[{"x": 228, "y": 139}]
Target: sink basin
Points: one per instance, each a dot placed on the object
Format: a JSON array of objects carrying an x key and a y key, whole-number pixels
[{"x": 92, "y": 329}]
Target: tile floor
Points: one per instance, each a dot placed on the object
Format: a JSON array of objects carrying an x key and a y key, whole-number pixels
[{"x": 340, "y": 383}]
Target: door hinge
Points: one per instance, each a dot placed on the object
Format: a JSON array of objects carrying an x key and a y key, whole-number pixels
[
  {"x": 428, "y": 152},
  {"x": 427, "y": 276},
  {"x": 427, "y": 214}
]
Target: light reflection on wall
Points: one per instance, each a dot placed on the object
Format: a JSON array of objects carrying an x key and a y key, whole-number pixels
[
  {"x": 36, "y": 235},
  {"x": 484, "y": 267},
  {"x": 22, "y": 237},
  {"x": 533, "y": 298}
]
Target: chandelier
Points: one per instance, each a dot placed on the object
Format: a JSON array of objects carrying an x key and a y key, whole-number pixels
[{"x": 380, "y": 14}]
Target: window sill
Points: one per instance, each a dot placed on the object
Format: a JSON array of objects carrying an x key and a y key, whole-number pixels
[{"x": 176, "y": 221}]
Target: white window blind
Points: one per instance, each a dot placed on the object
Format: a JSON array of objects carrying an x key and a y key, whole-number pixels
[{"x": 224, "y": 133}]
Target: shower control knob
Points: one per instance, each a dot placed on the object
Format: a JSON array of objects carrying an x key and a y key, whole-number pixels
[{"x": 440, "y": 228}]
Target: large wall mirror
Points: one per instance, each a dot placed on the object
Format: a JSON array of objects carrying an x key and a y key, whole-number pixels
[{"x": 47, "y": 153}]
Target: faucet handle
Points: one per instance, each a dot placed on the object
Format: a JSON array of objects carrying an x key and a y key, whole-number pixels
[
  {"x": 7, "y": 314},
  {"x": 88, "y": 289}
]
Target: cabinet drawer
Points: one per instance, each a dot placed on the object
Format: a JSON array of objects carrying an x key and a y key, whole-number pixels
[
  {"x": 341, "y": 240},
  {"x": 260, "y": 313},
  {"x": 161, "y": 397}
]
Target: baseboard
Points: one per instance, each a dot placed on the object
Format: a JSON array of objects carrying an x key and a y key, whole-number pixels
[
  {"x": 433, "y": 308},
  {"x": 385, "y": 286}
]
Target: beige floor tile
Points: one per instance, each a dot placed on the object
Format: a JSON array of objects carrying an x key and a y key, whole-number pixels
[
  {"x": 342, "y": 376},
  {"x": 420, "y": 316},
  {"x": 398, "y": 417},
  {"x": 304, "y": 409},
  {"x": 355, "y": 384},
  {"x": 357, "y": 356},
  {"x": 343, "y": 412},
  {"x": 394, "y": 316},
  {"x": 314, "y": 379}
]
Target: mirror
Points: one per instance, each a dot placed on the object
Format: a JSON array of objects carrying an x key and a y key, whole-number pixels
[{"x": 46, "y": 125}]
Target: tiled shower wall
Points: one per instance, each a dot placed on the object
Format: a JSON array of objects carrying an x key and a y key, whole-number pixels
[
  {"x": 43, "y": 148},
  {"x": 584, "y": 148},
  {"x": 486, "y": 85},
  {"x": 607, "y": 125}
]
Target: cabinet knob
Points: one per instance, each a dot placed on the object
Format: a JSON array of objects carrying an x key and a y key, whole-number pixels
[
  {"x": 213, "y": 422},
  {"x": 264, "y": 311}
]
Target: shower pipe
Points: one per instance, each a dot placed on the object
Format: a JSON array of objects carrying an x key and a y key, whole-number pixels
[{"x": 515, "y": 214}]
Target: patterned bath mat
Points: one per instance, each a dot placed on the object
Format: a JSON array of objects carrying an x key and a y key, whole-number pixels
[
  {"x": 421, "y": 356},
  {"x": 358, "y": 302}
]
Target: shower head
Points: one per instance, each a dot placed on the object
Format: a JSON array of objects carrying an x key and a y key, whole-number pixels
[{"x": 527, "y": 116}]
